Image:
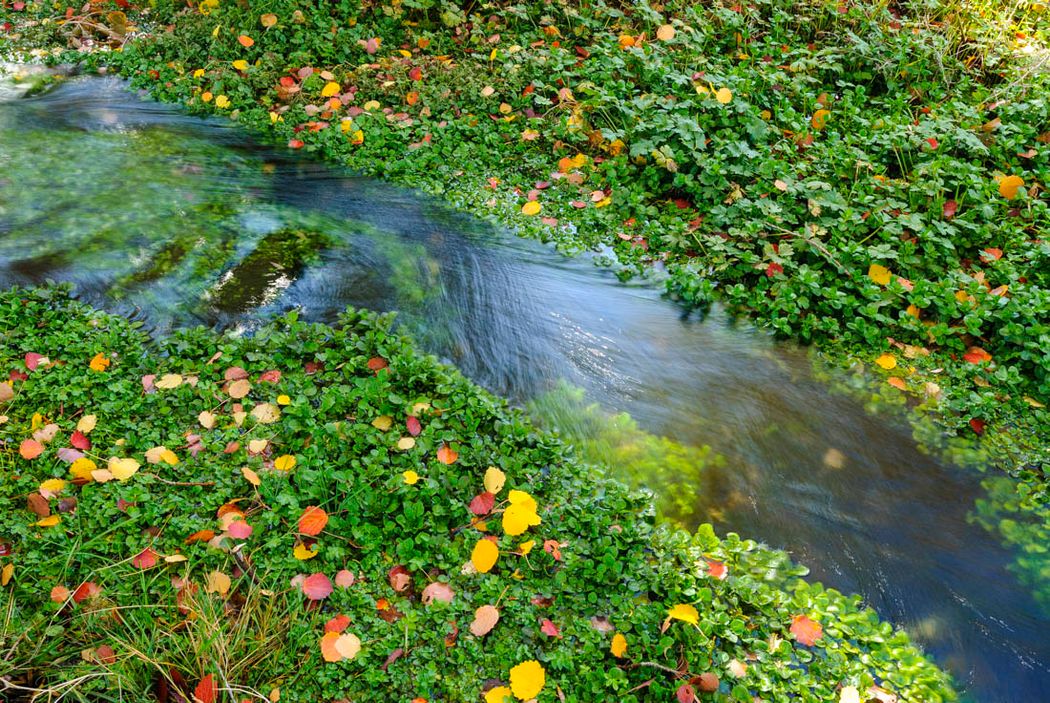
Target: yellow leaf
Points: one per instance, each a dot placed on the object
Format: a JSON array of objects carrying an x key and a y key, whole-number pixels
[
  {"x": 52, "y": 485},
  {"x": 218, "y": 582},
  {"x": 499, "y": 694},
  {"x": 169, "y": 381},
  {"x": 284, "y": 462},
  {"x": 371, "y": 105},
  {"x": 250, "y": 476},
  {"x": 724, "y": 95},
  {"x": 1009, "y": 186},
  {"x": 123, "y": 469},
  {"x": 494, "y": 480},
  {"x": 685, "y": 613},
  {"x": 331, "y": 88},
  {"x": 175, "y": 558},
  {"x": 383, "y": 422},
  {"x": 99, "y": 362},
  {"x": 484, "y": 555},
  {"x": 410, "y": 477},
  {"x": 302, "y": 552},
  {"x": 879, "y": 274},
  {"x": 619, "y": 645},
  {"x": 266, "y": 413},
  {"x": 87, "y": 423},
  {"x": 239, "y": 388},
  {"x": 665, "y": 32},
  {"x": 240, "y": 65},
  {"x": 6, "y": 573},
  {"x": 49, "y": 521},
  {"x": 207, "y": 419},
  {"x": 913, "y": 311},
  {"x": 284, "y": 400},
  {"x": 257, "y": 446},
  {"x": 222, "y": 102},
  {"x": 406, "y": 443},
  {"x": 527, "y": 679},
  {"x": 82, "y": 468},
  {"x": 526, "y": 547},
  {"x": 887, "y": 361},
  {"x": 531, "y": 208},
  {"x": 268, "y": 20},
  {"x": 199, "y": 73}
]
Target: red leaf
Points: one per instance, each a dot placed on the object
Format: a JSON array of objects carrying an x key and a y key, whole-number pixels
[
  {"x": 79, "y": 440},
  {"x": 977, "y": 425},
  {"x": 146, "y": 559},
  {"x": 806, "y": 631},
  {"x": 549, "y": 628},
  {"x": 413, "y": 426},
  {"x": 773, "y": 269},
  {"x": 317, "y": 587},
  {"x": 287, "y": 81},
  {"x": 337, "y": 624},
  {"x": 552, "y": 547},
  {"x": 296, "y": 144},
  {"x": 950, "y": 206},
  {"x": 88, "y": 589},
  {"x": 415, "y": 74},
  {"x": 717, "y": 569},
  {"x": 271, "y": 376},
  {"x": 685, "y": 694},
  {"x": 377, "y": 362},
  {"x": 239, "y": 529},
  {"x": 991, "y": 254},
  {"x": 33, "y": 360},
  {"x": 483, "y": 503},
  {"x": 207, "y": 690},
  {"x": 933, "y": 143}
]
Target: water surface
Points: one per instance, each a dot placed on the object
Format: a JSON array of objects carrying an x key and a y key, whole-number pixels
[{"x": 178, "y": 220}]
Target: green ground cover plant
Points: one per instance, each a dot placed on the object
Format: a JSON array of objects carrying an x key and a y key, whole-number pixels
[
  {"x": 865, "y": 175},
  {"x": 321, "y": 513}
]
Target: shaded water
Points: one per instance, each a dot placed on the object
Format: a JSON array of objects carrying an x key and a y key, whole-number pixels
[{"x": 179, "y": 220}]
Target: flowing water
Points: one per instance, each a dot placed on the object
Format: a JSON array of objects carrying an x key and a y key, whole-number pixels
[{"x": 178, "y": 220}]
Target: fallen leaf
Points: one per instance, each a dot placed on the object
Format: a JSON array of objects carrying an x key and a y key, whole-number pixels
[
  {"x": 685, "y": 613},
  {"x": 484, "y": 555},
  {"x": 527, "y": 680},
  {"x": 806, "y": 631},
  {"x": 438, "y": 590},
  {"x": 619, "y": 646},
  {"x": 317, "y": 587},
  {"x": 217, "y": 582},
  {"x": 312, "y": 521},
  {"x": 485, "y": 618}
]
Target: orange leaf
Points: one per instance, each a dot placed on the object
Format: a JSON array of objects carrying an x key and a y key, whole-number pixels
[
  {"x": 30, "y": 449},
  {"x": 820, "y": 119},
  {"x": 312, "y": 521},
  {"x": 1009, "y": 186},
  {"x": 976, "y": 355},
  {"x": 806, "y": 631},
  {"x": 246, "y": 41},
  {"x": 328, "y": 650},
  {"x": 447, "y": 455}
]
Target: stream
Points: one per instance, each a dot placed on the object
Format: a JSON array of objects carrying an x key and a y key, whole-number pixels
[{"x": 176, "y": 221}]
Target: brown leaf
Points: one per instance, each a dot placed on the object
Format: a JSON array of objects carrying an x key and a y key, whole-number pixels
[{"x": 485, "y": 618}]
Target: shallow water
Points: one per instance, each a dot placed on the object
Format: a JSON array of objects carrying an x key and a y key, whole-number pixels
[{"x": 179, "y": 220}]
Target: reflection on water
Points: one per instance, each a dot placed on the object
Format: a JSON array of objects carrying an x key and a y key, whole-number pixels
[{"x": 178, "y": 220}]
